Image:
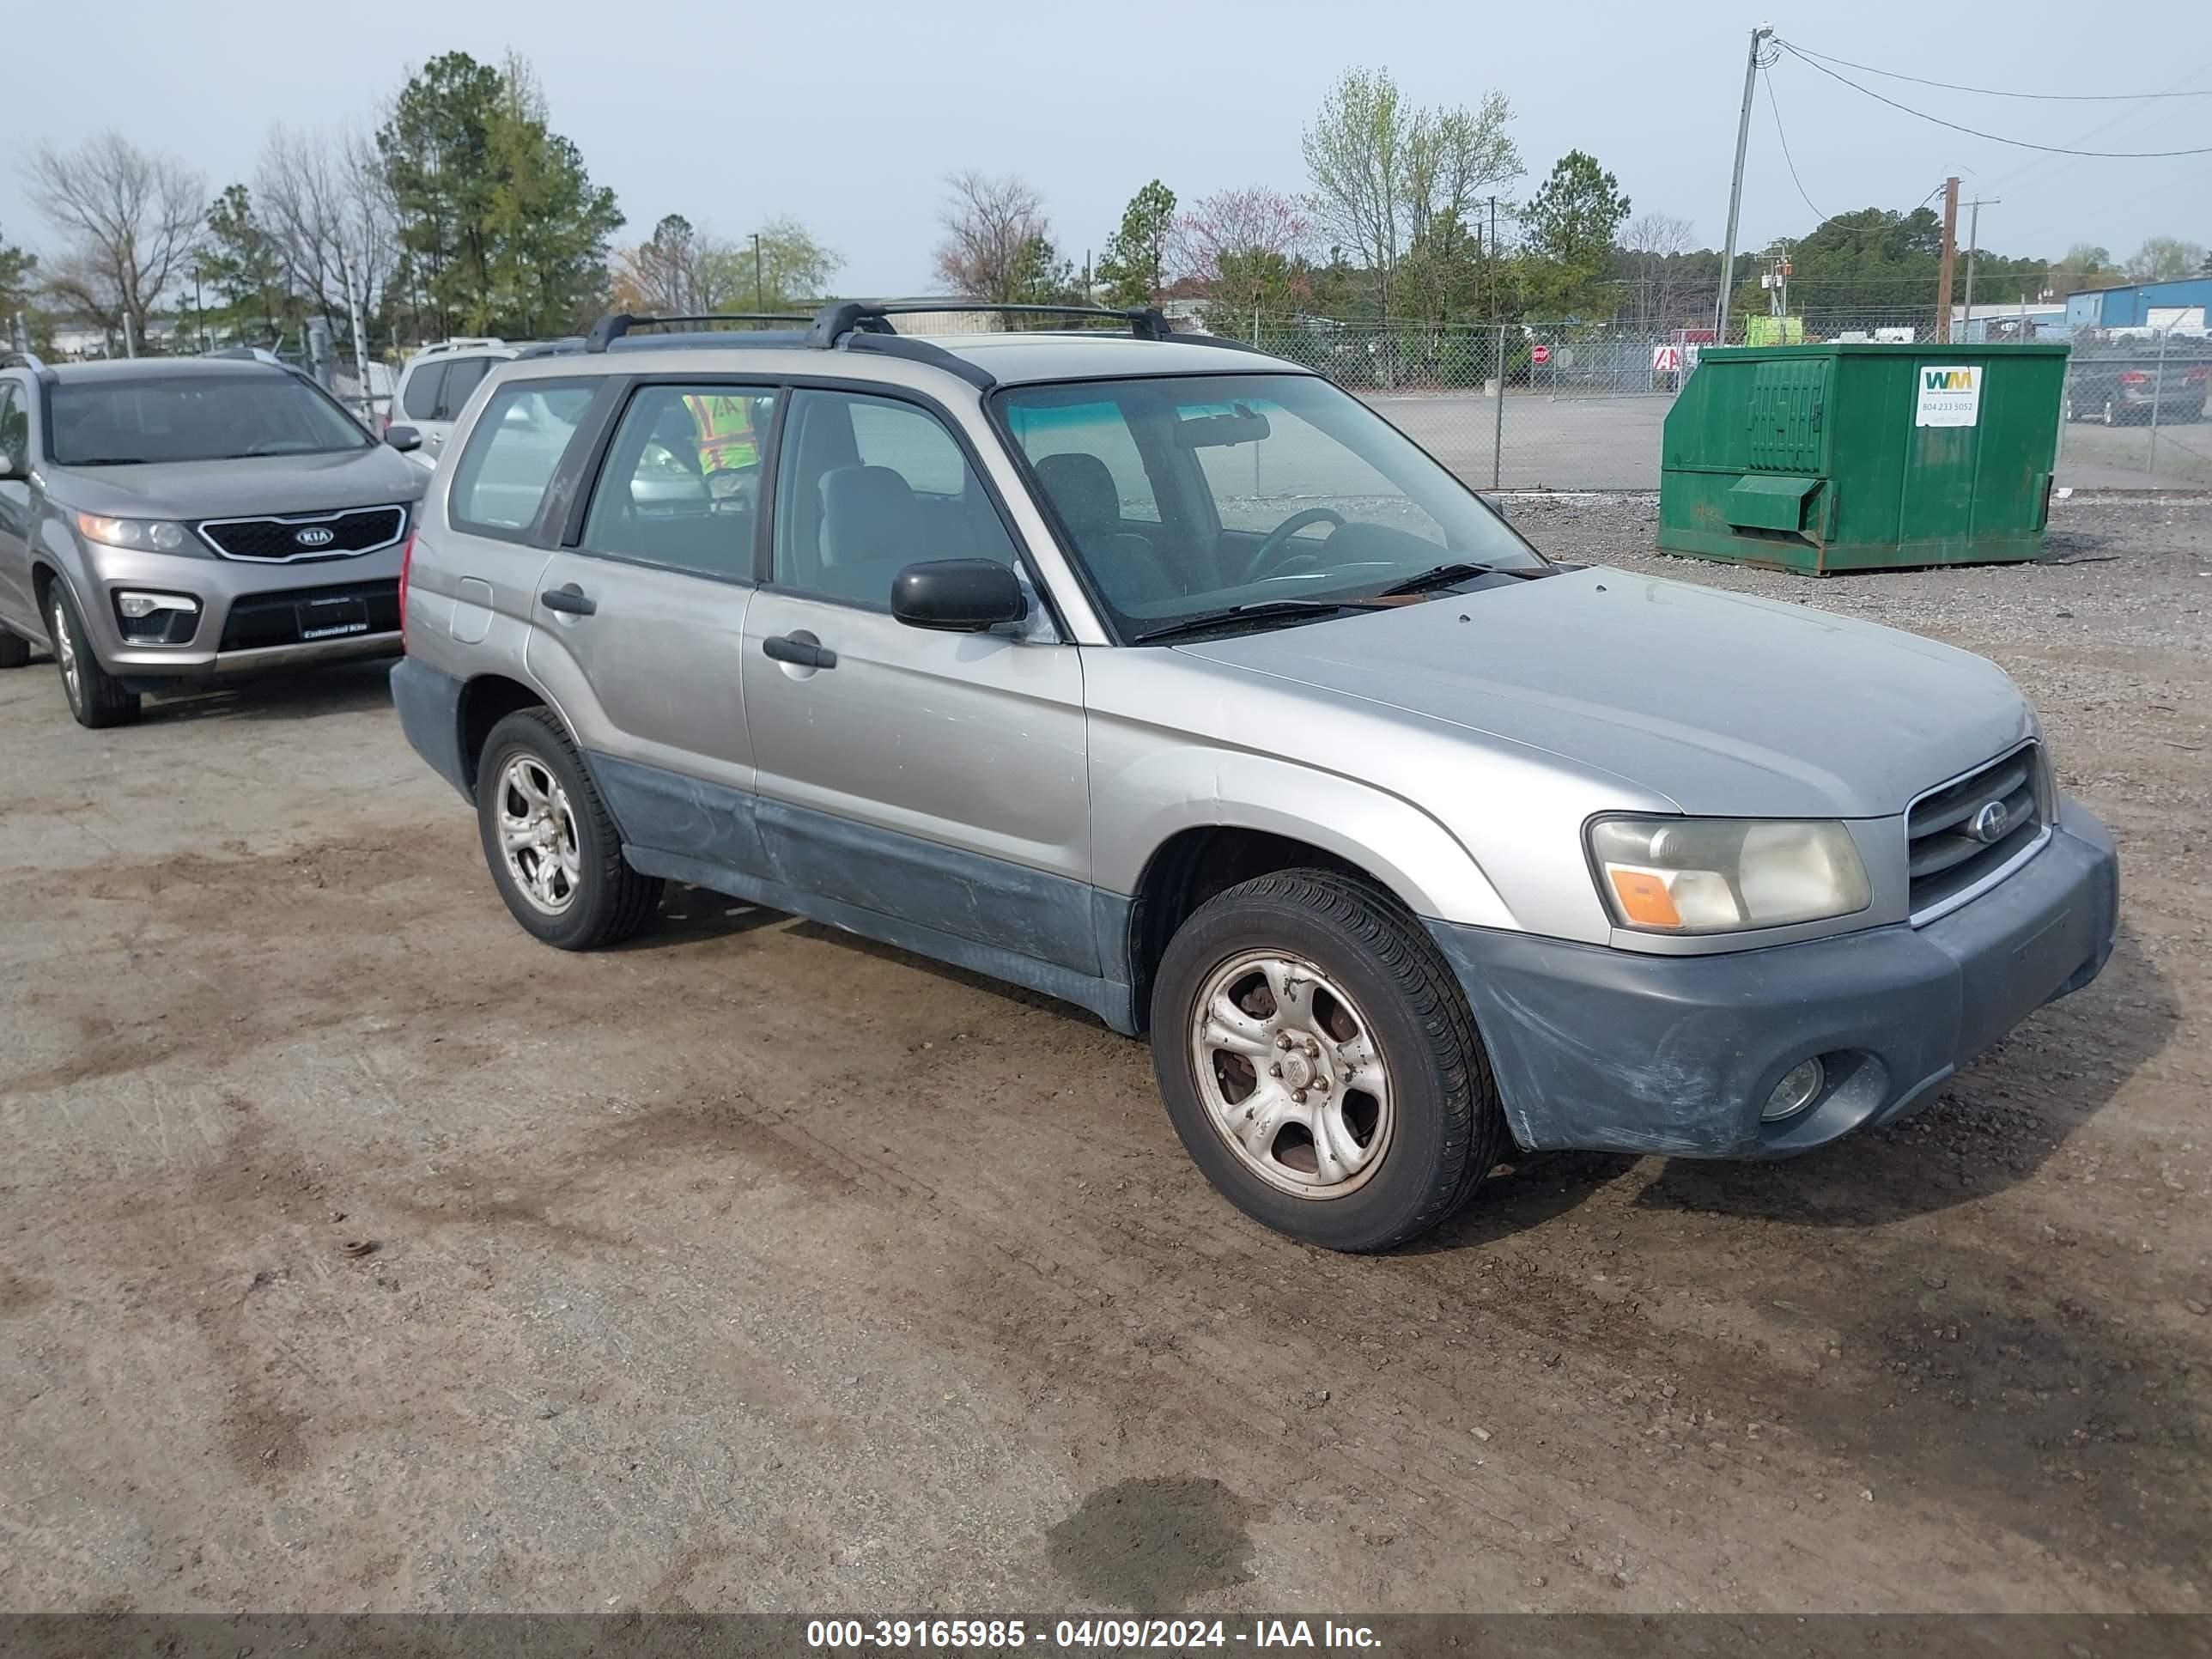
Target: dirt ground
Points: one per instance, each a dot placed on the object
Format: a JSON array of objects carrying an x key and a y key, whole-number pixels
[{"x": 752, "y": 1268}]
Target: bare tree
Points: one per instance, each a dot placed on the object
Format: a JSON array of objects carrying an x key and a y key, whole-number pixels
[
  {"x": 1384, "y": 173},
  {"x": 994, "y": 229},
  {"x": 1355, "y": 153},
  {"x": 1235, "y": 228},
  {"x": 129, "y": 222},
  {"x": 325, "y": 204},
  {"x": 1652, "y": 240}
]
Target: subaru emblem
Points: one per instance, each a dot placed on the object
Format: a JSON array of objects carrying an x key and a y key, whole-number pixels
[
  {"x": 315, "y": 535},
  {"x": 1990, "y": 823}
]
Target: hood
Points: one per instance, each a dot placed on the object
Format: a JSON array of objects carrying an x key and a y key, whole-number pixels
[
  {"x": 278, "y": 485},
  {"x": 1722, "y": 703}
]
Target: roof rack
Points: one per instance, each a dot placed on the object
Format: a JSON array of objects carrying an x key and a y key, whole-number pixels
[
  {"x": 31, "y": 361},
  {"x": 459, "y": 342},
  {"x": 841, "y": 318},
  {"x": 615, "y": 324}
]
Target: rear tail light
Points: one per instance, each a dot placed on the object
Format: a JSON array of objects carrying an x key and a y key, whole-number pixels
[
  {"x": 2200, "y": 374},
  {"x": 406, "y": 564},
  {"x": 2135, "y": 377}
]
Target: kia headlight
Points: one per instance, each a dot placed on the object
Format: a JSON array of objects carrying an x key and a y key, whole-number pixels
[
  {"x": 147, "y": 535},
  {"x": 1725, "y": 875}
]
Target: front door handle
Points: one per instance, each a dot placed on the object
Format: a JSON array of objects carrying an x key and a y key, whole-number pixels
[
  {"x": 800, "y": 653},
  {"x": 569, "y": 599}
]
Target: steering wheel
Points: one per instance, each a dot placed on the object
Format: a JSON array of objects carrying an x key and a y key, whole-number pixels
[{"x": 1272, "y": 546}]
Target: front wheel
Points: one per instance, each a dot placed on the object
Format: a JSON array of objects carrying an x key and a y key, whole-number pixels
[
  {"x": 1320, "y": 1063},
  {"x": 553, "y": 847},
  {"x": 96, "y": 696}
]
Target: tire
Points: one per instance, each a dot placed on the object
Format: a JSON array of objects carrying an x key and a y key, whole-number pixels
[
  {"x": 13, "y": 652},
  {"x": 570, "y": 886},
  {"x": 96, "y": 696},
  {"x": 1430, "y": 1133}
]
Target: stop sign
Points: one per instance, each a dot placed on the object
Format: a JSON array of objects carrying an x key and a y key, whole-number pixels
[{"x": 1541, "y": 354}]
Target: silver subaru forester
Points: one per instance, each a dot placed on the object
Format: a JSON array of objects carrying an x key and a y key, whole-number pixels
[{"x": 1164, "y": 677}]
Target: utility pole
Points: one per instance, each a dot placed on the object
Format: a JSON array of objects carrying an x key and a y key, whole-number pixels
[
  {"x": 1735, "y": 189},
  {"x": 1950, "y": 259},
  {"x": 757, "y": 304},
  {"x": 1974, "y": 241}
]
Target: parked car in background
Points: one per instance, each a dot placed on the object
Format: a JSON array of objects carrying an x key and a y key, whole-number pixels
[
  {"x": 2121, "y": 382},
  {"x": 169, "y": 520},
  {"x": 434, "y": 385},
  {"x": 1164, "y": 677}
]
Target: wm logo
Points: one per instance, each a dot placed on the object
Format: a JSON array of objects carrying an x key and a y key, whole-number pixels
[{"x": 1947, "y": 379}]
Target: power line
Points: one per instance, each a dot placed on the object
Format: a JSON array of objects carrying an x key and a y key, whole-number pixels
[
  {"x": 1994, "y": 138},
  {"x": 1993, "y": 92},
  {"x": 1772, "y": 104}
]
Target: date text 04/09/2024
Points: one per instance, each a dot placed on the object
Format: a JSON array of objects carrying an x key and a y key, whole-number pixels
[{"x": 1112, "y": 1634}]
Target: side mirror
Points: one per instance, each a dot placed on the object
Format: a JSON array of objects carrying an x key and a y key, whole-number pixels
[
  {"x": 959, "y": 596},
  {"x": 403, "y": 438}
]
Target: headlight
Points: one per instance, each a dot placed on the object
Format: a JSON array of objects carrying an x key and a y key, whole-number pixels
[
  {"x": 1724, "y": 875},
  {"x": 149, "y": 535}
]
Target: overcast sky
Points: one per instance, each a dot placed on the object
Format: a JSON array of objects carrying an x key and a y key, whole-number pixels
[{"x": 848, "y": 115}]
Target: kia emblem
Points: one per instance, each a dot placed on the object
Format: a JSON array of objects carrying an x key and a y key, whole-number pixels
[
  {"x": 1990, "y": 823},
  {"x": 315, "y": 535}
]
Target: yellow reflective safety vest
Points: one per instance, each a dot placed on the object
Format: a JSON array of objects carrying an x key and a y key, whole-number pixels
[{"x": 726, "y": 431}]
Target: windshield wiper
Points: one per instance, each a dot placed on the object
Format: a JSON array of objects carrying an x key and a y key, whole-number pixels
[
  {"x": 110, "y": 460},
  {"x": 1259, "y": 610},
  {"x": 1440, "y": 575}
]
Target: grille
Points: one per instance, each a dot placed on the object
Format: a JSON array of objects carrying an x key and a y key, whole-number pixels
[
  {"x": 266, "y": 619},
  {"x": 362, "y": 530},
  {"x": 1952, "y": 845}
]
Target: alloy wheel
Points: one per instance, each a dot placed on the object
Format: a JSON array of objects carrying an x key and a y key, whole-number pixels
[
  {"x": 1290, "y": 1074},
  {"x": 538, "y": 834}
]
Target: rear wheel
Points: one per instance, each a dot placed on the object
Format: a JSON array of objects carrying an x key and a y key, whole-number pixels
[
  {"x": 553, "y": 847},
  {"x": 96, "y": 696},
  {"x": 1320, "y": 1063}
]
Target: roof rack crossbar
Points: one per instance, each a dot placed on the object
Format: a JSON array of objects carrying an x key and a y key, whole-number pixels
[
  {"x": 615, "y": 324},
  {"x": 841, "y": 318}
]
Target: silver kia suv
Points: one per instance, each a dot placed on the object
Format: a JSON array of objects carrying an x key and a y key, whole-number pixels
[
  {"x": 1166, "y": 679},
  {"x": 164, "y": 520}
]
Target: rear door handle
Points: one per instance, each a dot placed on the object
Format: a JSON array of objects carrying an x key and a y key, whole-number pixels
[
  {"x": 569, "y": 599},
  {"x": 802, "y": 654}
]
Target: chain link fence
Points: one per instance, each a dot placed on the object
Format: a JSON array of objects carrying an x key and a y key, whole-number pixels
[
  {"x": 2135, "y": 411},
  {"x": 1518, "y": 406}
]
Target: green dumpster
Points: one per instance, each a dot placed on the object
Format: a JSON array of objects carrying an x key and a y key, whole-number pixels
[{"x": 1820, "y": 458}]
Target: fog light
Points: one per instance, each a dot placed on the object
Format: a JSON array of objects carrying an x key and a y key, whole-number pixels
[
  {"x": 138, "y": 606},
  {"x": 1800, "y": 1087}
]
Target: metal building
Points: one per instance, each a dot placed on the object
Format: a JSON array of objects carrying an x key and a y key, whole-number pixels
[{"x": 2182, "y": 303}]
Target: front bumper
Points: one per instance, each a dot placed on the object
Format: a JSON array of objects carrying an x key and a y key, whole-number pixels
[
  {"x": 251, "y": 618},
  {"x": 1610, "y": 1050}
]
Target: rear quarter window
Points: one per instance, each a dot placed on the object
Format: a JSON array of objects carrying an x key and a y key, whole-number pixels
[
  {"x": 514, "y": 450},
  {"x": 420, "y": 396}
]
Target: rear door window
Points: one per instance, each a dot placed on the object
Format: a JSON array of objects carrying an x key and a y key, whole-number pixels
[
  {"x": 680, "y": 486},
  {"x": 419, "y": 399},
  {"x": 462, "y": 375},
  {"x": 514, "y": 450}
]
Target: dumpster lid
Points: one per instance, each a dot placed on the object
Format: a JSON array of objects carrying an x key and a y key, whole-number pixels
[{"x": 1769, "y": 501}]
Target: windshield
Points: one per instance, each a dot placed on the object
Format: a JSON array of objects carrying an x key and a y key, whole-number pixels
[
  {"x": 197, "y": 417},
  {"x": 1190, "y": 497}
]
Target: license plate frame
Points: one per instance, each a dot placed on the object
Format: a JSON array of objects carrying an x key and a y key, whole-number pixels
[{"x": 335, "y": 618}]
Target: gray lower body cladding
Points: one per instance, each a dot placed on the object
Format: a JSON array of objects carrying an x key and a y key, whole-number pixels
[
  {"x": 1593, "y": 1049},
  {"x": 1608, "y": 1050},
  {"x": 1005, "y": 920},
  {"x": 429, "y": 708}
]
